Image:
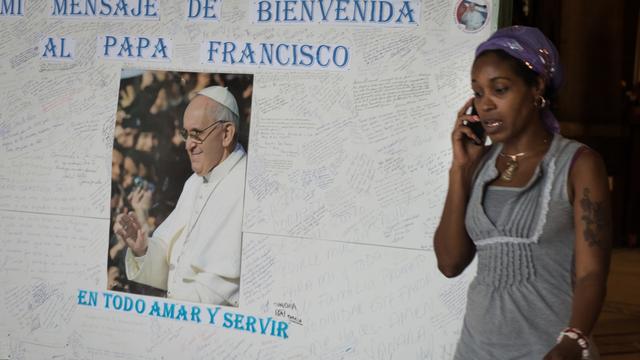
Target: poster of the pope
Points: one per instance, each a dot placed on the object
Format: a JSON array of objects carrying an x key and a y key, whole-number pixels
[{"x": 177, "y": 185}]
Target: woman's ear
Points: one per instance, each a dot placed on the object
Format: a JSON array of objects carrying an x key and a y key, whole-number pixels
[{"x": 539, "y": 88}]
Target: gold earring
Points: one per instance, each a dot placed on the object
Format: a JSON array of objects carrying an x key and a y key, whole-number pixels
[{"x": 540, "y": 102}]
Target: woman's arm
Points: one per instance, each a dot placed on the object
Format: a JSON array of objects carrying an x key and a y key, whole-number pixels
[
  {"x": 453, "y": 247},
  {"x": 592, "y": 218}
]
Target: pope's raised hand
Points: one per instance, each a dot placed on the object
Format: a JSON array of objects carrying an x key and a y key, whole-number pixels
[{"x": 127, "y": 227}]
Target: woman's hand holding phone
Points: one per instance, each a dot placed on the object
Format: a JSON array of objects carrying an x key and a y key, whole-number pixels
[
  {"x": 467, "y": 143},
  {"x": 476, "y": 126}
]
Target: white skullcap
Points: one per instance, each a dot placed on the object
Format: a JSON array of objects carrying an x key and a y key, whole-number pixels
[{"x": 222, "y": 96}]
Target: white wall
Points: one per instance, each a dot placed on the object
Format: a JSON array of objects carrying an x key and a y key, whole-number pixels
[{"x": 346, "y": 178}]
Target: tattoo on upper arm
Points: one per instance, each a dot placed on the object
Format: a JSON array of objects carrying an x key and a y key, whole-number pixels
[{"x": 595, "y": 222}]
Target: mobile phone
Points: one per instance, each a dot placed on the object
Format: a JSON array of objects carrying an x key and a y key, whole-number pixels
[{"x": 476, "y": 126}]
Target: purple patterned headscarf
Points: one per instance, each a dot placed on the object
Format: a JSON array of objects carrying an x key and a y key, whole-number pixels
[{"x": 529, "y": 45}]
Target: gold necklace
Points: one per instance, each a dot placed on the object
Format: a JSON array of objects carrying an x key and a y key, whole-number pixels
[
  {"x": 512, "y": 165},
  {"x": 512, "y": 162}
]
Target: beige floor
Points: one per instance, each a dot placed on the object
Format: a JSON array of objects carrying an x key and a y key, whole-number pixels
[{"x": 617, "y": 332}]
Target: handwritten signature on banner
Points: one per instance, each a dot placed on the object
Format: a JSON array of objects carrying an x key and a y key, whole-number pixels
[
  {"x": 288, "y": 310},
  {"x": 214, "y": 316}
]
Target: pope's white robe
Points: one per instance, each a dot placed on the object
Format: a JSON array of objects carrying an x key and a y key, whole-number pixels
[
  {"x": 195, "y": 253},
  {"x": 473, "y": 20}
]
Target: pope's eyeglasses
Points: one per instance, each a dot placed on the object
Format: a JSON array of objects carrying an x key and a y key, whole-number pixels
[{"x": 195, "y": 135}]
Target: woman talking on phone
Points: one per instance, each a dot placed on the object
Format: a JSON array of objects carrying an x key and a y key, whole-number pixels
[{"x": 534, "y": 207}]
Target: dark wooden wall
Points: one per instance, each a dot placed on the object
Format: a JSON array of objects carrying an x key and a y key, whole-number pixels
[{"x": 597, "y": 43}]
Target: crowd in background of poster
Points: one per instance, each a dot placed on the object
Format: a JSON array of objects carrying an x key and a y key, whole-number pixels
[{"x": 351, "y": 107}]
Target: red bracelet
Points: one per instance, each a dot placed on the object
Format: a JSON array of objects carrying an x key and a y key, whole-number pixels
[{"x": 578, "y": 336}]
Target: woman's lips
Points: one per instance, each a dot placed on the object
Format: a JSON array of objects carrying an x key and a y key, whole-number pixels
[{"x": 491, "y": 125}]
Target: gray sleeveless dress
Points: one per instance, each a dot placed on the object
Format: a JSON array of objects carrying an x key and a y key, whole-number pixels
[{"x": 520, "y": 299}]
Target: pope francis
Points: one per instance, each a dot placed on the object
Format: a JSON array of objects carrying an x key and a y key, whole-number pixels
[{"x": 195, "y": 253}]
